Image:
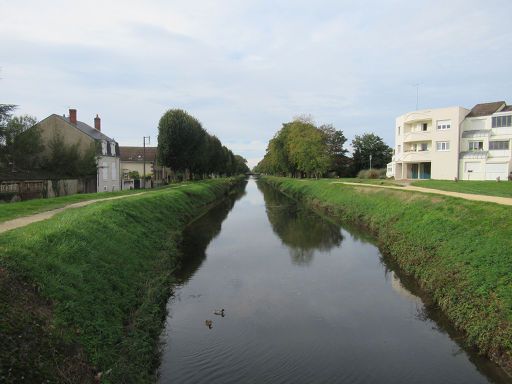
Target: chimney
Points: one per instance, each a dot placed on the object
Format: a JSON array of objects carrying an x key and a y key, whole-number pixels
[
  {"x": 72, "y": 116},
  {"x": 97, "y": 123}
]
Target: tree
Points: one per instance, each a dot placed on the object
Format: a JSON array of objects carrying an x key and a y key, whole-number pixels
[
  {"x": 366, "y": 145},
  {"x": 20, "y": 145},
  {"x": 335, "y": 141},
  {"x": 66, "y": 160},
  {"x": 180, "y": 138}
]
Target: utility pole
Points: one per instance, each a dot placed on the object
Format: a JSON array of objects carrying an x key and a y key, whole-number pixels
[{"x": 144, "y": 157}]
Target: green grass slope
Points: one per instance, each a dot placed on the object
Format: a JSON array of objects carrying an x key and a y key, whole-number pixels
[
  {"x": 85, "y": 292},
  {"x": 459, "y": 250}
]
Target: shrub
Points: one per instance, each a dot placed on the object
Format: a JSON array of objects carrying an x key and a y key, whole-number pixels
[{"x": 372, "y": 174}]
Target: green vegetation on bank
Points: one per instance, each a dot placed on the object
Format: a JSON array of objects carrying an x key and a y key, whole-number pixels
[
  {"x": 491, "y": 188},
  {"x": 85, "y": 292},
  {"x": 458, "y": 250},
  {"x": 9, "y": 211}
]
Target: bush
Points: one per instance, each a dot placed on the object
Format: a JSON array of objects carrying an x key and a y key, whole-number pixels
[{"x": 372, "y": 174}]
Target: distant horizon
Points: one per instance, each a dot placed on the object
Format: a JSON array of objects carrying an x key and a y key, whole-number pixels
[{"x": 243, "y": 69}]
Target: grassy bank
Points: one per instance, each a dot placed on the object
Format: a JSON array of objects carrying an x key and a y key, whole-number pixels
[
  {"x": 460, "y": 251},
  {"x": 491, "y": 188},
  {"x": 9, "y": 211},
  {"x": 85, "y": 291}
]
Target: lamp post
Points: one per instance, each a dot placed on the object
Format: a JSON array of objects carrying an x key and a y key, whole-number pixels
[
  {"x": 144, "y": 157},
  {"x": 370, "y": 161}
]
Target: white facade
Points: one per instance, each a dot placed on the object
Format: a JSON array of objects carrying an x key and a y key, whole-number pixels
[
  {"x": 427, "y": 143},
  {"x": 449, "y": 143},
  {"x": 109, "y": 179},
  {"x": 485, "y": 151}
]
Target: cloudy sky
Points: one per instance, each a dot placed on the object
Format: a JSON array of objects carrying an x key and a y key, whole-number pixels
[{"x": 244, "y": 67}]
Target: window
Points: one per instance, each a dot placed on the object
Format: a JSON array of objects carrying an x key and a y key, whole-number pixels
[
  {"x": 443, "y": 145},
  {"x": 103, "y": 147},
  {"x": 104, "y": 171},
  {"x": 423, "y": 147},
  {"x": 444, "y": 124},
  {"x": 424, "y": 127},
  {"x": 502, "y": 121},
  {"x": 499, "y": 145},
  {"x": 114, "y": 171},
  {"x": 399, "y": 131},
  {"x": 476, "y": 145},
  {"x": 112, "y": 149}
]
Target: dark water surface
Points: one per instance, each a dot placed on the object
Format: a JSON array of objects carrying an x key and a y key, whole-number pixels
[{"x": 305, "y": 302}]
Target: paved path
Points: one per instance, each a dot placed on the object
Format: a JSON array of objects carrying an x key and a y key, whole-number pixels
[
  {"x": 26, "y": 220},
  {"x": 467, "y": 196}
]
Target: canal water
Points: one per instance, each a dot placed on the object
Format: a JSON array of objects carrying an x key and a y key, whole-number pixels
[{"x": 306, "y": 301}]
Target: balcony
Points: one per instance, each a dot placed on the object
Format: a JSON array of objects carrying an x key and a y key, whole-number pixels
[
  {"x": 417, "y": 156},
  {"x": 474, "y": 154},
  {"x": 418, "y": 136}
]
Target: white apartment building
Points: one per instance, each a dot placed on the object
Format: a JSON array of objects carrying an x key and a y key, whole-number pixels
[
  {"x": 449, "y": 143},
  {"x": 485, "y": 142},
  {"x": 427, "y": 143}
]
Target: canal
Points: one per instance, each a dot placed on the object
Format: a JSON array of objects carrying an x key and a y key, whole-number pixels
[{"x": 305, "y": 301}]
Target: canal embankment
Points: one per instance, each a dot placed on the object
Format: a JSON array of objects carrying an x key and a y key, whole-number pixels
[
  {"x": 83, "y": 294},
  {"x": 459, "y": 251}
]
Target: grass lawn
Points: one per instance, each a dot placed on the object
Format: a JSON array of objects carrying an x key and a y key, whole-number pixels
[
  {"x": 491, "y": 188},
  {"x": 369, "y": 181},
  {"x": 9, "y": 211}
]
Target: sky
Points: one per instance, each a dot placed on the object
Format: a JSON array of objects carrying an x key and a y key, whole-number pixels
[{"x": 243, "y": 68}]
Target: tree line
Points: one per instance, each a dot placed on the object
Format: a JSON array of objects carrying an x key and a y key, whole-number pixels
[
  {"x": 303, "y": 149},
  {"x": 188, "y": 149}
]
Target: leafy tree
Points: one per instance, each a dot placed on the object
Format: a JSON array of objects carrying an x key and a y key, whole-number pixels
[
  {"x": 335, "y": 141},
  {"x": 180, "y": 139},
  {"x": 307, "y": 149},
  {"x": 68, "y": 161},
  {"x": 366, "y": 145},
  {"x": 21, "y": 145}
]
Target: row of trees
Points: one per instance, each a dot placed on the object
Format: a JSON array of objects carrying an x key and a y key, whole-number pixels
[
  {"x": 187, "y": 148},
  {"x": 302, "y": 149}
]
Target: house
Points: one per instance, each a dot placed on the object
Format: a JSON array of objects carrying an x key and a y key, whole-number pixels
[
  {"x": 142, "y": 160},
  {"x": 427, "y": 143},
  {"x": 485, "y": 142},
  {"x": 449, "y": 143},
  {"x": 77, "y": 132}
]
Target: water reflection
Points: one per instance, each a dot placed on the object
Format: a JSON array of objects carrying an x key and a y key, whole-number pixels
[
  {"x": 297, "y": 228},
  {"x": 203, "y": 231}
]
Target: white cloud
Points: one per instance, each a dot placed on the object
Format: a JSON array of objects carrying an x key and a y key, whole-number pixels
[{"x": 243, "y": 68}]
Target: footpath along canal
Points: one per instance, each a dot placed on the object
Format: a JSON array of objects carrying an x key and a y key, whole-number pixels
[{"x": 305, "y": 301}]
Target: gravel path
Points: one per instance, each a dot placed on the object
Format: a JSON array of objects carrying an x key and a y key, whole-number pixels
[
  {"x": 26, "y": 220},
  {"x": 467, "y": 196}
]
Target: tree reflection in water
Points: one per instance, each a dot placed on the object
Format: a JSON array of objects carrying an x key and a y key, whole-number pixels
[
  {"x": 201, "y": 232},
  {"x": 300, "y": 229}
]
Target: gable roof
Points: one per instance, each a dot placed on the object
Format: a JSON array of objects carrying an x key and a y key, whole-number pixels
[
  {"x": 508, "y": 108},
  {"x": 137, "y": 153},
  {"x": 87, "y": 129},
  {"x": 486, "y": 109}
]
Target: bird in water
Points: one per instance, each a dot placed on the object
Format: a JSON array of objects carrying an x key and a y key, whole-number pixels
[
  {"x": 209, "y": 323},
  {"x": 219, "y": 312}
]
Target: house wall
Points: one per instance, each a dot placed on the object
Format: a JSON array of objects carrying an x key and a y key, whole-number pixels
[
  {"x": 109, "y": 174},
  {"x": 53, "y": 125},
  {"x": 409, "y": 136},
  {"x": 486, "y": 164},
  {"x": 138, "y": 166}
]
